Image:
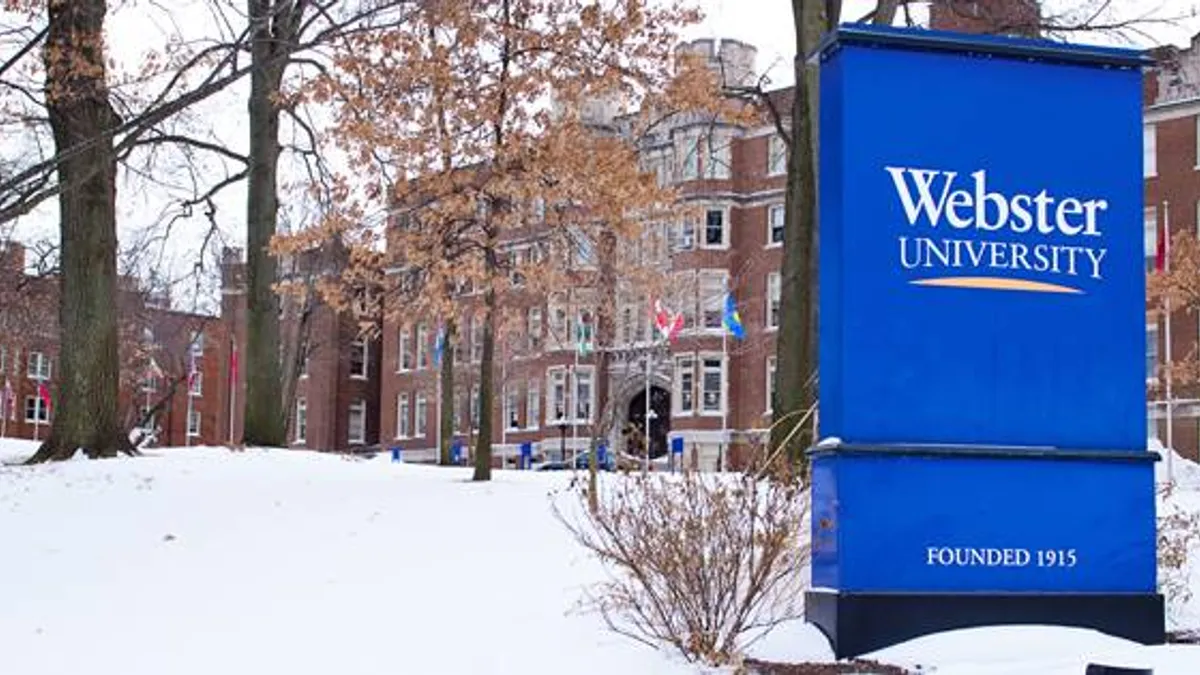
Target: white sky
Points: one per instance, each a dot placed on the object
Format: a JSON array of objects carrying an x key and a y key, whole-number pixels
[{"x": 767, "y": 24}]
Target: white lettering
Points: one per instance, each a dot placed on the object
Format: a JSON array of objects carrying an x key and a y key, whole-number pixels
[
  {"x": 967, "y": 556},
  {"x": 935, "y": 193},
  {"x": 977, "y": 255}
]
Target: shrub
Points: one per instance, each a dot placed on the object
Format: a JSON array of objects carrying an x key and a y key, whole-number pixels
[{"x": 702, "y": 563}]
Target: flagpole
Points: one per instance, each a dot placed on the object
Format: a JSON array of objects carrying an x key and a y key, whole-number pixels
[
  {"x": 37, "y": 419},
  {"x": 232, "y": 388},
  {"x": 724, "y": 391},
  {"x": 649, "y": 370},
  {"x": 1167, "y": 342}
]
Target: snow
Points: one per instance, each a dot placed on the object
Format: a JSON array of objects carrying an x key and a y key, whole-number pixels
[{"x": 201, "y": 560}]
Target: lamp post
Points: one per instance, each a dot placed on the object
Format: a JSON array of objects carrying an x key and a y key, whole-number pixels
[{"x": 562, "y": 428}]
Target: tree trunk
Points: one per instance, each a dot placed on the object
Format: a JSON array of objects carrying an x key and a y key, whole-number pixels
[
  {"x": 796, "y": 354},
  {"x": 446, "y": 408},
  {"x": 266, "y": 420},
  {"x": 85, "y": 412},
  {"x": 483, "y": 442}
]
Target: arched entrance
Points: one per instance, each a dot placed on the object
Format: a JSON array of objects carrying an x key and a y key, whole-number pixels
[{"x": 660, "y": 423}]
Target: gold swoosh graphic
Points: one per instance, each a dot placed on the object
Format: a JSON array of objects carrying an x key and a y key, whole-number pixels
[{"x": 997, "y": 284}]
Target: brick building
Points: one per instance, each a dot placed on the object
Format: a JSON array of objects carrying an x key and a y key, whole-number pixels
[
  {"x": 732, "y": 177},
  {"x": 1171, "y": 166},
  {"x": 335, "y": 404},
  {"x": 158, "y": 348}
]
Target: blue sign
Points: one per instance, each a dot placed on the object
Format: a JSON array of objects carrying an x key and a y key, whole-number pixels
[
  {"x": 397, "y": 453},
  {"x": 526, "y": 455},
  {"x": 982, "y": 322},
  {"x": 677, "y": 445},
  {"x": 982, "y": 267},
  {"x": 456, "y": 452},
  {"x": 602, "y": 454},
  {"x": 926, "y": 523}
]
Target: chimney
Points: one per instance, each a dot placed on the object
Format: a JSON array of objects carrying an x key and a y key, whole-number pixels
[{"x": 12, "y": 258}]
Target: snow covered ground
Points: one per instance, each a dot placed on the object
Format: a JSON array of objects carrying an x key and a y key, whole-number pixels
[{"x": 203, "y": 561}]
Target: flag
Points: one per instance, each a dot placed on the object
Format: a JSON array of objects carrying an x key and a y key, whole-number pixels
[
  {"x": 733, "y": 320},
  {"x": 153, "y": 371},
  {"x": 439, "y": 345},
  {"x": 44, "y": 394},
  {"x": 667, "y": 323},
  {"x": 585, "y": 339},
  {"x": 192, "y": 371},
  {"x": 1160, "y": 251}
]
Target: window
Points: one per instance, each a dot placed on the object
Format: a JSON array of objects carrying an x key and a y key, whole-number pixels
[
  {"x": 775, "y": 216},
  {"x": 304, "y": 362},
  {"x": 583, "y": 394},
  {"x": 196, "y": 384},
  {"x": 717, "y": 160},
  {"x": 535, "y": 328},
  {"x": 683, "y": 297},
  {"x": 193, "y": 423},
  {"x": 356, "y": 425},
  {"x": 404, "y": 360},
  {"x": 533, "y": 404},
  {"x": 685, "y": 385},
  {"x": 421, "y": 416},
  {"x": 556, "y": 406},
  {"x": 39, "y": 366},
  {"x": 684, "y": 235},
  {"x": 776, "y": 155},
  {"x": 1151, "y": 351},
  {"x": 36, "y": 411},
  {"x": 712, "y": 298},
  {"x": 714, "y": 228},
  {"x": 301, "y": 419},
  {"x": 690, "y": 157},
  {"x": 512, "y": 404},
  {"x": 774, "y": 293},
  {"x": 401, "y": 416},
  {"x": 474, "y": 406},
  {"x": 584, "y": 253},
  {"x": 197, "y": 344},
  {"x": 476, "y": 339},
  {"x": 1150, "y": 236},
  {"x": 1149, "y": 150},
  {"x": 3, "y": 357},
  {"x": 422, "y": 347},
  {"x": 358, "y": 359},
  {"x": 712, "y": 391},
  {"x": 770, "y": 403}
]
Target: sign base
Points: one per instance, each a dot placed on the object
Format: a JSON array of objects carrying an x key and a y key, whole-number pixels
[{"x": 860, "y": 623}]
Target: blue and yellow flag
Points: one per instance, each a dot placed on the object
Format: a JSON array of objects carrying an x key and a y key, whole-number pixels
[{"x": 732, "y": 320}]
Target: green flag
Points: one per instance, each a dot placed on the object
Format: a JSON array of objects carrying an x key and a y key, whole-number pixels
[{"x": 585, "y": 338}]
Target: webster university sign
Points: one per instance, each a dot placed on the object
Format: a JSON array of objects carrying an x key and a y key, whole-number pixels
[
  {"x": 982, "y": 340},
  {"x": 951, "y": 217}
]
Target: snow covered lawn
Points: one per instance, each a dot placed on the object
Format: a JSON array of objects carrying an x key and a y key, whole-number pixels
[{"x": 204, "y": 562}]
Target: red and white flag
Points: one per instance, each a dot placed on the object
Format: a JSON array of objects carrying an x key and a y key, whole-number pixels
[
  {"x": 666, "y": 322},
  {"x": 192, "y": 371},
  {"x": 44, "y": 394}
]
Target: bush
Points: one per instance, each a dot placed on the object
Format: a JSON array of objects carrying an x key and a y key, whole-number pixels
[
  {"x": 702, "y": 563},
  {"x": 1178, "y": 534}
]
